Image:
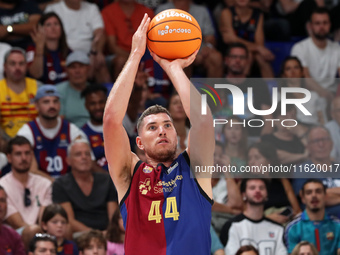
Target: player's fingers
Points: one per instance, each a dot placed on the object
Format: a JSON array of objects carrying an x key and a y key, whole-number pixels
[{"x": 140, "y": 27}]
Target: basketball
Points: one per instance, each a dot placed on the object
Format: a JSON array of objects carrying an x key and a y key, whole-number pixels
[{"x": 174, "y": 34}]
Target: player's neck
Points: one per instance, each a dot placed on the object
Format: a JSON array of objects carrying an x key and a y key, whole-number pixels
[
  {"x": 254, "y": 212},
  {"x": 316, "y": 216},
  {"x": 48, "y": 123},
  {"x": 154, "y": 163}
]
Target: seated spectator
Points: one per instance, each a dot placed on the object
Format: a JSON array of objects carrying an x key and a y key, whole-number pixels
[
  {"x": 251, "y": 227},
  {"x": 49, "y": 135},
  {"x": 307, "y": 226},
  {"x": 46, "y": 59},
  {"x": 208, "y": 57},
  {"x": 320, "y": 57},
  {"x": 236, "y": 61},
  {"x": 42, "y": 243},
  {"x": 288, "y": 146},
  {"x": 235, "y": 142},
  {"x": 216, "y": 245},
  {"x": 101, "y": 3},
  {"x": 305, "y": 247},
  {"x": 292, "y": 72},
  {"x": 83, "y": 193},
  {"x": 243, "y": 24},
  {"x": 18, "y": 19},
  {"x": 180, "y": 120},
  {"x": 121, "y": 19},
  {"x": 54, "y": 222},
  {"x": 72, "y": 105},
  {"x": 115, "y": 235},
  {"x": 333, "y": 127},
  {"x": 247, "y": 250},
  {"x": 27, "y": 194},
  {"x": 95, "y": 100},
  {"x": 92, "y": 243},
  {"x": 4, "y": 48},
  {"x": 16, "y": 93},
  {"x": 280, "y": 192},
  {"x": 320, "y": 146},
  {"x": 226, "y": 195},
  {"x": 10, "y": 240},
  {"x": 84, "y": 34}
]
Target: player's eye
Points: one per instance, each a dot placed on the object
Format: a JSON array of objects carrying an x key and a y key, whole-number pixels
[
  {"x": 168, "y": 125},
  {"x": 152, "y": 127}
]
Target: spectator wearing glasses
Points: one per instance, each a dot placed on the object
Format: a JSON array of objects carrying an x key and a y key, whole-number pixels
[
  {"x": 43, "y": 244},
  {"x": 10, "y": 240},
  {"x": 28, "y": 194},
  {"x": 320, "y": 146}
]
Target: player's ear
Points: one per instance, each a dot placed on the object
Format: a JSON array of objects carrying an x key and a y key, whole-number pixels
[{"x": 139, "y": 143}]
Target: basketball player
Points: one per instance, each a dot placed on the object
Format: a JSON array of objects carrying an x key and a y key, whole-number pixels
[{"x": 165, "y": 211}]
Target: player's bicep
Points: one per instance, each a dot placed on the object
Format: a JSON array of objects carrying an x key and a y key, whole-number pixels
[{"x": 118, "y": 154}]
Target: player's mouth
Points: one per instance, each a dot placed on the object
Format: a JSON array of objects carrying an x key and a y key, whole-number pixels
[{"x": 163, "y": 141}]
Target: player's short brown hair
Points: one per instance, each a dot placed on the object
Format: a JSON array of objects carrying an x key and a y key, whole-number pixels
[
  {"x": 84, "y": 240},
  {"x": 155, "y": 109}
]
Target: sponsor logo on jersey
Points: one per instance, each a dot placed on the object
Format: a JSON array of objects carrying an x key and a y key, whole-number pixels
[
  {"x": 172, "y": 168},
  {"x": 144, "y": 187},
  {"x": 147, "y": 169},
  {"x": 63, "y": 141},
  {"x": 330, "y": 236}
]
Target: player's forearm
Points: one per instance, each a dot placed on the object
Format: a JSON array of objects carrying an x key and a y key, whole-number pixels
[{"x": 118, "y": 100}]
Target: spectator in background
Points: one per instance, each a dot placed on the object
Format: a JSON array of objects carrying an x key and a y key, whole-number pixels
[
  {"x": 16, "y": 93},
  {"x": 216, "y": 245},
  {"x": 235, "y": 142},
  {"x": 10, "y": 240},
  {"x": 305, "y": 248},
  {"x": 251, "y": 227},
  {"x": 208, "y": 57},
  {"x": 43, "y": 3},
  {"x": 95, "y": 100},
  {"x": 314, "y": 225},
  {"x": 18, "y": 19},
  {"x": 27, "y": 194},
  {"x": 49, "y": 135},
  {"x": 280, "y": 192},
  {"x": 101, "y": 3},
  {"x": 72, "y": 105},
  {"x": 292, "y": 72},
  {"x": 320, "y": 146},
  {"x": 180, "y": 120},
  {"x": 289, "y": 147},
  {"x": 236, "y": 62},
  {"x": 320, "y": 57},
  {"x": 92, "y": 243},
  {"x": 121, "y": 19},
  {"x": 226, "y": 194},
  {"x": 43, "y": 244},
  {"x": 115, "y": 235},
  {"x": 84, "y": 34},
  {"x": 4, "y": 48},
  {"x": 83, "y": 193},
  {"x": 54, "y": 222},
  {"x": 247, "y": 250},
  {"x": 333, "y": 127},
  {"x": 243, "y": 24},
  {"x": 46, "y": 59}
]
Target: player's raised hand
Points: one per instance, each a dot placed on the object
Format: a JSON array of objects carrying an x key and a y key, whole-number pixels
[
  {"x": 182, "y": 62},
  {"x": 139, "y": 37}
]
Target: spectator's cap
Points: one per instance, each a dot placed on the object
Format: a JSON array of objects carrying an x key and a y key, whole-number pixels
[
  {"x": 46, "y": 90},
  {"x": 14, "y": 50},
  {"x": 77, "y": 56}
]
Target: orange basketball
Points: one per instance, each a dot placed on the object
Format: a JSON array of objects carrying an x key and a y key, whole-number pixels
[{"x": 174, "y": 34}]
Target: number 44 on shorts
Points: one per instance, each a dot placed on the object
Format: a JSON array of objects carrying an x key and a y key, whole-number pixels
[{"x": 170, "y": 212}]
